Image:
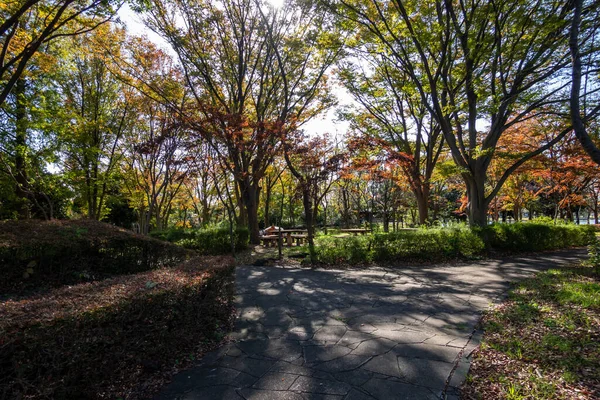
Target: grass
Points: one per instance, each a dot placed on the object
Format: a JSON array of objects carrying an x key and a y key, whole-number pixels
[{"x": 543, "y": 342}]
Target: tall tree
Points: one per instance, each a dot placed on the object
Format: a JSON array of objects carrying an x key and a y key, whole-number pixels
[
  {"x": 479, "y": 68},
  {"x": 255, "y": 72},
  {"x": 99, "y": 112},
  {"x": 26, "y": 26},
  {"x": 314, "y": 163},
  {"x": 592, "y": 48},
  {"x": 394, "y": 118}
]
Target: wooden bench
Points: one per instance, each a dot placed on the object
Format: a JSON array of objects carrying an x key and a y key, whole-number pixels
[{"x": 299, "y": 239}]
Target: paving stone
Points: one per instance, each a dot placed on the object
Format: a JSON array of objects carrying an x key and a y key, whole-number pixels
[
  {"x": 322, "y": 386},
  {"x": 319, "y": 396},
  {"x": 345, "y": 363},
  {"x": 331, "y": 333},
  {"x": 243, "y": 380},
  {"x": 256, "y": 394},
  {"x": 422, "y": 372},
  {"x": 386, "y": 389},
  {"x": 282, "y": 366},
  {"x": 386, "y": 364},
  {"x": 373, "y": 347},
  {"x": 404, "y": 336},
  {"x": 425, "y": 351},
  {"x": 275, "y": 381},
  {"x": 355, "y": 377},
  {"x": 253, "y": 366},
  {"x": 351, "y": 338},
  {"x": 355, "y": 394},
  {"x": 220, "y": 392},
  {"x": 317, "y": 354}
]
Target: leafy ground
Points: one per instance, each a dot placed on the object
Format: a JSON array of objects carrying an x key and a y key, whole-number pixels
[
  {"x": 543, "y": 342},
  {"x": 120, "y": 337}
]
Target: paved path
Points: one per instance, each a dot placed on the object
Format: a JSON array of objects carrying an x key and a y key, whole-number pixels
[{"x": 401, "y": 333}]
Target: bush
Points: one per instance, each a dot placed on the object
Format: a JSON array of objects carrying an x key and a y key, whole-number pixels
[
  {"x": 435, "y": 244},
  {"x": 67, "y": 252},
  {"x": 212, "y": 241},
  {"x": 114, "y": 338},
  {"x": 538, "y": 236}
]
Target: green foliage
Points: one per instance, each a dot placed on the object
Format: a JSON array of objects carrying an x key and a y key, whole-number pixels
[
  {"x": 65, "y": 252},
  {"x": 537, "y": 236},
  {"x": 211, "y": 241},
  {"x": 434, "y": 244}
]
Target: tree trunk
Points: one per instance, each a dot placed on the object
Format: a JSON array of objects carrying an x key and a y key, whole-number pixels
[
  {"x": 21, "y": 187},
  {"x": 422, "y": 196},
  {"x": 478, "y": 206},
  {"x": 249, "y": 196},
  {"x": 267, "y": 204},
  {"x": 309, "y": 219}
]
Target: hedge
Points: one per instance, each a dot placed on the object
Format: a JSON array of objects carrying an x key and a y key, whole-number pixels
[
  {"x": 457, "y": 242},
  {"x": 116, "y": 338},
  {"x": 532, "y": 236},
  {"x": 66, "y": 252},
  {"x": 210, "y": 241},
  {"x": 435, "y": 244}
]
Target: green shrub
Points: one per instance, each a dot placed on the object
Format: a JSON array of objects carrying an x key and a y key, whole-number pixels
[
  {"x": 173, "y": 234},
  {"x": 65, "y": 252},
  {"x": 538, "y": 236},
  {"x": 215, "y": 241},
  {"x": 419, "y": 245}
]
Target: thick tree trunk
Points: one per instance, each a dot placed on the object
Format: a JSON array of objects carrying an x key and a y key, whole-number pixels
[
  {"x": 422, "y": 204},
  {"x": 249, "y": 196},
  {"x": 478, "y": 206}
]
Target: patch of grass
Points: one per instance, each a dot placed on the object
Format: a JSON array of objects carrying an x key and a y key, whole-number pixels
[{"x": 543, "y": 342}]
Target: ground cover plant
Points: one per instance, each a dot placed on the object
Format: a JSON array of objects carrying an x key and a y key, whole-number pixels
[
  {"x": 115, "y": 338},
  {"x": 52, "y": 253},
  {"x": 543, "y": 342}
]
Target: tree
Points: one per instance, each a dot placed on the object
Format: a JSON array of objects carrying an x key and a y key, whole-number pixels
[
  {"x": 29, "y": 25},
  {"x": 479, "y": 69},
  {"x": 395, "y": 117},
  {"x": 313, "y": 162},
  {"x": 254, "y": 72},
  {"x": 590, "y": 28},
  {"x": 98, "y": 112},
  {"x": 157, "y": 163}
]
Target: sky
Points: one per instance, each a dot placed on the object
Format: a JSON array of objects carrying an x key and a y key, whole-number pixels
[{"x": 317, "y": 126}]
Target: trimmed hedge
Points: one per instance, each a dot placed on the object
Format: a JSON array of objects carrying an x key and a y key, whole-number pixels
[
  {"x": 66, "y": 252},
  {"x": 420, "y": 245},
  {"x": 116, "y": 338},
  {"x": 211, "y": 241},
  {"x": 533, "y": 236},
  {"x": 457, "y": 242}
]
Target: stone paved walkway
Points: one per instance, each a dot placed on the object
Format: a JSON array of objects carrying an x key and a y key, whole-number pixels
[{"x": 355, "y": 334}]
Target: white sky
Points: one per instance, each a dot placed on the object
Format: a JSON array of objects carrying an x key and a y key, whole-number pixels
[{"x": 317, "y": 126}]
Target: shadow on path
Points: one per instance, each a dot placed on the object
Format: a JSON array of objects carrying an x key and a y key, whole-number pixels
[{"x": 356, "y": 334}]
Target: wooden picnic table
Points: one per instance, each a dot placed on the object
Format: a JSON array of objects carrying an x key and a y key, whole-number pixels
[
  {"x": 290, "y": 232},
  {"x": 289, "y": 235},
  {"x": 356, "y": 231}
]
